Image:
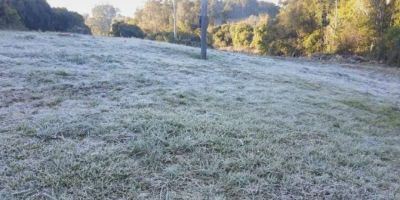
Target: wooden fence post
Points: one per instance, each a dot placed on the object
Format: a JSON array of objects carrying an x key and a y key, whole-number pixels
[{"x": 204, "y": 26}]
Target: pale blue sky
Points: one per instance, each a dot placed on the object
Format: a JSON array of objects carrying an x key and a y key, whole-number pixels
[{"x": 127, "y": 7}]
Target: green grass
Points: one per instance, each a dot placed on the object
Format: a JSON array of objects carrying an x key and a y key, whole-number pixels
[
  {"x": 385, "y": 115},
  {"x": 150, "y": 120}
]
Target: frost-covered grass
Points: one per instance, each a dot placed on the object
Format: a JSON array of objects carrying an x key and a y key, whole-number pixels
[{"x": 107, "y": 118}]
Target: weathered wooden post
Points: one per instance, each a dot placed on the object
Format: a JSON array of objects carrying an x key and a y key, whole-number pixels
[
  {"x": 174, "y": 16},
  {"x": 204, "y": 26}
]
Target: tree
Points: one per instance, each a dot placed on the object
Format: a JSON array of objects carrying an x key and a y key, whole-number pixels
[
  {"x": 101, "y": 19},
  {"x": 187, "y": 16},
  {"x": 9, "y": 17},
  {"x": 215, "y": 11},
  {"x": 392, "y": 45},
  {"x": 38, "y": 15},
  {"x": 66, "y": 21},
  {"x": 35, "y": 14}
]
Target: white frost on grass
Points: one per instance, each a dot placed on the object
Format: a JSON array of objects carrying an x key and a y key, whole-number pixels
[{"x": 111, "y": 118}]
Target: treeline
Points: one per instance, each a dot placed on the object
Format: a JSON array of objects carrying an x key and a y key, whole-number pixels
[
  {"x": 38, "y": 15},
  {"x": 370, "y": 28},
  {"x": 156, "y": 19}
]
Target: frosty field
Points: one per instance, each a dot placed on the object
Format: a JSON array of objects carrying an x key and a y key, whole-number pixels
[{"x": 106, "y": 118}]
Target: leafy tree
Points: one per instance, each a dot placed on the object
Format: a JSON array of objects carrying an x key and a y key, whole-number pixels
[
  {"x": 187, "y": 15},
  {"x": 355, "y": 31},
  {"x": 66, "y": 21},
  {"x": 235, "y": 10},
  {"x": 216, "y": 11},
  {"x": 392, "y": 45},
  {"x": 101, "y": 20},
  {"x": 9, "y": 17},
  {"x": 35, "y": 14},
  {"x": 155, "y": 16}
]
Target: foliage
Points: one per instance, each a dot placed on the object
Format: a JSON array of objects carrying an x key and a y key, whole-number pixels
[
  {"x": 66, "y": 21},
  {"x": 222, "y": 36},
  {"x": 183, "y": 38},
  {"x": 156, "y": 16},
  {"x": 35, "y": 14},
  {"x": 296, "y": 28},
  {"x": 122, "y": 29},
  {"x": 392, "y": 45},
  {"x": 313, "y": 43},
  {"x": 235, "y": 10},
  {"x": 101, "y": 19},
  {"x": 242, "y": 35},
  {"x": 261, "y": 34},
  {"x": 38, "y": 15},
  {"x": 354, "y": 32},
  {"x": 9, "y": 17}
]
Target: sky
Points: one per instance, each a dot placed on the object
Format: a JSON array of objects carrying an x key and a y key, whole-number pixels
[{"x": 126, "y": 7}]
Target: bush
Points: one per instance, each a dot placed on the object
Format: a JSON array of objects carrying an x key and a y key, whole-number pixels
[
  {"x": 242, "y": 35},
  {"x": 260, "y": 38},
  {"x": 189, "y": 39},
  {"x": 392, "y": 45},
  {"x": 284, "y": 47},
  {"x": 122, "y": 29},
  {"x": 161, "y": 36},
  {"x": 314, "y": 43},
  {"x": 221, "y": 36}
]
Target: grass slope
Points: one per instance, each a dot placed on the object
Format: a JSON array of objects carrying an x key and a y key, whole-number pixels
[{"x": 106, "y": 118}]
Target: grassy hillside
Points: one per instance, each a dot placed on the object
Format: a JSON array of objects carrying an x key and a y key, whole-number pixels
[{"x": 106, "y": 118}]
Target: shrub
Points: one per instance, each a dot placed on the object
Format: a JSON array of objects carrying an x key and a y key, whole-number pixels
[
  {"x": 283, "y": 47},
  {"x": 260, "y": 38},
  {"x": 221, "y": 36},
  {"x": 314, "y": 43},
  {"x": 122, "y": 29},
  {"x": 189, "y": 39},
  {"x": 242, "y": 35},
  {"x": 392, "y": 45}
]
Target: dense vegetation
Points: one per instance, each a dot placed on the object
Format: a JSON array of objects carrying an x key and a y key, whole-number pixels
[
  {"x": 369, "y": 28},
  {"x": 122, "y": 29},
  {"x": 38, "y": 15}
]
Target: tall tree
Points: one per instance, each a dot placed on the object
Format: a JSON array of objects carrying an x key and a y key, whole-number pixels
[
  {"x": 101, "y": 19},
  {"x": 9, "y": 17},
  {"x": 35, "y": 14}
]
